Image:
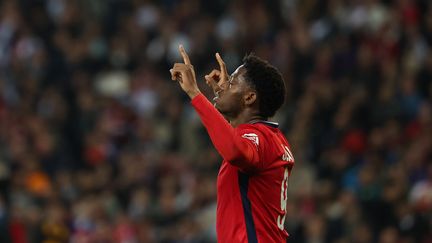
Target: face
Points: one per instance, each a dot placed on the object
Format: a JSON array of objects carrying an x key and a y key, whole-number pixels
[{"x": 230, "y": 100}]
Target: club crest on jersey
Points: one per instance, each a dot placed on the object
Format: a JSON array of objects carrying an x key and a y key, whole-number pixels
[{"x": 253, "y": 137}]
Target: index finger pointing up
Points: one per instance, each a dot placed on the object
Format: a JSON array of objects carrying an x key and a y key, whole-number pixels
[
  {"x": 221, "y": 64},
  {"x": 184, "y": 55}
]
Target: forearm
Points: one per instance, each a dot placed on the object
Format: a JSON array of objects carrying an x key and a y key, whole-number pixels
[
  {"x": 222, "y": 134},
  {"x": 193, "y": 93}
]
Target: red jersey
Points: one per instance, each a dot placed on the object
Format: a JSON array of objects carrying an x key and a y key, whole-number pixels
[{"x": 253, "y": 178}]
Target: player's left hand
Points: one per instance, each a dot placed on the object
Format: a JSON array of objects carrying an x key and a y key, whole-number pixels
[
  {"x": 184, "y": 73},
  {"x": 217, "y": 79}
]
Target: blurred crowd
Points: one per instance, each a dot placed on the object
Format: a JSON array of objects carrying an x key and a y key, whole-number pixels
[{"x": 97, "y": 144}]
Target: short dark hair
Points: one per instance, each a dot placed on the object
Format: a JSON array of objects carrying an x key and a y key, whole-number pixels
[{"x": 268, "y": 83}]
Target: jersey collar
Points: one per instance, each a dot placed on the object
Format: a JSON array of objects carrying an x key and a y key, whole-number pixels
[{"x": 267, "y": 123}]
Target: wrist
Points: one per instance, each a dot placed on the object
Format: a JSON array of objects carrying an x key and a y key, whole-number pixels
[{"x": 192, "y": 94}]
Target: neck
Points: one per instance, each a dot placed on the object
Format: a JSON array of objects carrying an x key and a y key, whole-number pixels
[{"x": 245, "y": 117}]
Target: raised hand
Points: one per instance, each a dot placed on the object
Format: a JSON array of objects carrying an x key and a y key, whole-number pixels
[
  {"x": 184, "y": 73},
  {"x": 217, "y": 79}
]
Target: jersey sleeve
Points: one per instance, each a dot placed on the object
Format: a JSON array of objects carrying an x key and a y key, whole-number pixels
[{"x": 240, "y": 147}]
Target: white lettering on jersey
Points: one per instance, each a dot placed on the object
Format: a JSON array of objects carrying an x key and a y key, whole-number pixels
[
  {"x": 284, "y": 195},
  {"x": 253, "y": 137},
  {"x": 287, "y": 156}
]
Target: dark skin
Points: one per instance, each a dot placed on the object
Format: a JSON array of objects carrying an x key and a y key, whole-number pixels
[{"x": 235, "y": 98}]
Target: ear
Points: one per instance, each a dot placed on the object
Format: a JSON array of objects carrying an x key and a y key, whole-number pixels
[{"x": 249, "y": 98}]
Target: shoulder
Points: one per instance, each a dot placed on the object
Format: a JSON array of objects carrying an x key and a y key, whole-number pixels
[
  {"x": 250, "y": 132},
  {"x": 252, "y": 128},
  {"x": 258, "y": 133},
  {"x": 268, "y": 135},
  {"x": 261, "y": 128}
]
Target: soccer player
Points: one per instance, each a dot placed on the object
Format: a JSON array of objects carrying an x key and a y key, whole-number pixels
[{"x": 257, "y": 161}]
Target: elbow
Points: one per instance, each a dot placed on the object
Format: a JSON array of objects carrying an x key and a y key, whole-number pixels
[
  {"x": 236, "y": 161},
  {"x": 242, "y": 162},
  {"x": 233, "y": 159}
]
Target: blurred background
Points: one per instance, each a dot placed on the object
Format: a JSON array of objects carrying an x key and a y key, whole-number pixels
[{"x": 97, "y": 144}]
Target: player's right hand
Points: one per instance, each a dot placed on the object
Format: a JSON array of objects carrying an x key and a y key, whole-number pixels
[
  {"x": 217, "y": 79},
  {"x": 185, "y": 75}
]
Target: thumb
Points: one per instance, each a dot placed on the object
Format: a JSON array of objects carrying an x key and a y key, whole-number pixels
[{"x": 212, "y": 83}]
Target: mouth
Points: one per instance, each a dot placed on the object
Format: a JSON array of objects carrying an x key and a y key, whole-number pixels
[
  {"x": 215, "y": 101},
  {"x": 217, "y": 95}
]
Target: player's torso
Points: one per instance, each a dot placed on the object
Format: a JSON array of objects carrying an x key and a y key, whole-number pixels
[{"x": 251, "y": 206}]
